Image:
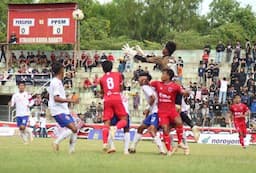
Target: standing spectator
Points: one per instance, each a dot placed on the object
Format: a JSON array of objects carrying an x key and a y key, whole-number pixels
[
  {"x": 128, "y": 64},
  {"x": 42, "y": 124},
  {"x": 3, "y": 53},
  {"x": 242, "y": 77},
  {"x": 180, "y": 62},
  {"x": 205, "y": 58},
  {"x": 121, "y": 66},
  {"x": 223, "y": 91},
  {"x": 209, "y": 75},
  {"x": 207, "y": 48},
  {"x": 248, "y": 48},
  {"x": 215, "y": 73},
  {"x": 220, "y": 48},
  {"x": 238, "y": 50},
  {"x": 254, "y": 52},
  {"x": 228, "y": 52},
  {"x": 32, "y": 124},
  {"x": 136, "y": 103},
  {"x": 180, "y": 72},
  {"x": 136, "y": 73},
  {"x": 253, "y": 107},
  {"x": 249, "y": 62},
  {"x": 201, "y": 74}
]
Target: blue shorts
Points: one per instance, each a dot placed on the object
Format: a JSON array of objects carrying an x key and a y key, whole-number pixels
[
  {"x": 22, "y": 121},
  {"x": 64, "y": 119},
  {"x": 115, "y": 120},
  {"x": 151, "y": 119}
]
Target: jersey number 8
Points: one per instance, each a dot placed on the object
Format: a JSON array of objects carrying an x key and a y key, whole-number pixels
[{"x": 110, "y": 83}]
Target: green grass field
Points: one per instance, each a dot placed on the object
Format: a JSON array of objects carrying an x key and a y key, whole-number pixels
[{"x": 38, "y": 157}]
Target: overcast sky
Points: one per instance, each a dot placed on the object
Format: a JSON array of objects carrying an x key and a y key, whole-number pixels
[{"x": 205, "y": 4}]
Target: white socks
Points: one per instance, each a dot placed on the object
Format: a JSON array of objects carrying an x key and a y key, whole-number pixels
[
  {"x": 159, "y": 143},
  {"x": 72, "y": 142},
  {"x": 64, "y": 134},
  {"x": 126, "y": 142},
  {"x": 184, "y": 139},
  {"x": 111, "y": 142},
  {"x": 136, "y": 139},
  {"x": 24, "y": 136}
]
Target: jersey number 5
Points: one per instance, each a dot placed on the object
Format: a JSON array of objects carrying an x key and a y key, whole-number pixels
[{"x": 110, "y": 83}]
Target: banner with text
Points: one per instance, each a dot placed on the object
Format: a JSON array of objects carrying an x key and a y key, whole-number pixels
[{"x": 41, "y": 23}]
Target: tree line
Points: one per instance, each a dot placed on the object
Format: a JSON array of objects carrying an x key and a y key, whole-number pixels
[{"x": 150, "y": 23}]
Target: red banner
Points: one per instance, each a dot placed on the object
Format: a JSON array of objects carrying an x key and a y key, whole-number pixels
[{"x": 41, "y": 23}]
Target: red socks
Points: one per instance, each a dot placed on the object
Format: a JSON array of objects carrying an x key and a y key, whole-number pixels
[
  {"x": 105, "y": 132},
  {"x": 121, "y": 124},
  {"x": 167, "y": 142},
  {"x": 241, "y": 139},
  {"x": 179, "y": 131}
]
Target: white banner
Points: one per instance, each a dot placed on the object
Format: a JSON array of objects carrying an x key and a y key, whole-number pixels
[
  {"x": 226, "y": 139},
  {"x": 7, "y": 131}
]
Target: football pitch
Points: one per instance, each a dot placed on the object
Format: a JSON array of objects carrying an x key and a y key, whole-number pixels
[{"x": 38, "y": 157}]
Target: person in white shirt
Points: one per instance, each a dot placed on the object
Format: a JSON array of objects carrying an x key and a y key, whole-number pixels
[
  {"x": 32, "y": 124},
  {"x": 151, "y": 121},
  {"x": 21, "y": 101},
  {"x": 223, "y": 91},
  {"x": 42, "y": 122},
  {"x": 58, "y": 105}
]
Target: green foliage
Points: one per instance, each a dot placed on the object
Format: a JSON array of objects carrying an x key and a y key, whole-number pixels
[{"x": 229, "y": 32}]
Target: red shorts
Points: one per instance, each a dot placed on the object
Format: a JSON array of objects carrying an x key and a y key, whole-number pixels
[
  {"x": 240, "y": 126},
  {"x": 113, "y": 107},
  {"x": 167, "y": 118}
]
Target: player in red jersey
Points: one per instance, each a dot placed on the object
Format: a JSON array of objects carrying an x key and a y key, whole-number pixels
[
  {"x": 111, "y": 86},
  {"x": 167, "y": 91},
  {"x": 238, "y": 113}
]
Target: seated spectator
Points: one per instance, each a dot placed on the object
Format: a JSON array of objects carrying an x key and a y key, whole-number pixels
[
  {"x": 87, "y": 85},
  {"x": 103, "y": 57},
  {"x": 38, "y": 57},
  {"x": 53, "y": 57},
  {"x": 67, "y": 64},
  {"x": 23, "y": 68},
  {"x": 22, "y": 58},
  {"x": 96, "y": 58},
  {"x": 95, "y": 83},
  {"x": 68, "y": 83},
  {"x": 110, "y": 57}
]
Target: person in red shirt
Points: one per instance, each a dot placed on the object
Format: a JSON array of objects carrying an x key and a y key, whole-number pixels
[
  {"x": 111, "y": 87},
  {"x": 167, "y": 91},
  {"x": 238, "y": 112},
  {"x": 87, "y": 84},
  {"x": 110, "y": 57}
]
